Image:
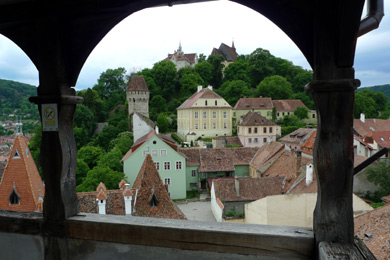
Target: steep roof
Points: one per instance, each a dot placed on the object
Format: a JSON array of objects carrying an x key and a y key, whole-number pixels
[
  {"x": 21, "y": 175},
  {"x": 189, "y": 57},
  {"x": 254, "y": 103},
  {"x": 192, "y": 156},
  {"x": 249, "y": 188},
  {"x": 288, "y": 105},
  {"x": 374, "y": 229},
  {"x": 298, "y": 136},
  {"x": 229, "y": 53},
  {"x": 203, "y": 94},
  {"x": 266, "y": 155},
  {"x": 137, "y": 83},
  {"x": 308, "y": 146},
  {"x": 381, "y": 137},
  {"x": 149, "y": 186},
  {"x": 370, "y": 125},
  {"x": 224, "y": 159},
  {"x": 254, "y": 119},
  {"x": 147, "y": 120}
]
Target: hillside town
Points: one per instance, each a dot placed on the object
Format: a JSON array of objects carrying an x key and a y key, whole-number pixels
[{"x": 237, "y": 162}]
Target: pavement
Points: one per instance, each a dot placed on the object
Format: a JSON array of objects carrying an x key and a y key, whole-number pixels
[{"x": 198, "y": 210}]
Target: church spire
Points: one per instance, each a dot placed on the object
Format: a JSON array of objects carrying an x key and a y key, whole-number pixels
[
  {"x": 179, "y": 50},
  {"x": 233, "y": 47}
]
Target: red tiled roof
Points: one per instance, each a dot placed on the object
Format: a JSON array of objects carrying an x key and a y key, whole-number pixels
[
  {"x": 22, "y": 174},
  {"x": 254, "y": 103},
  {"x": 192, "y": 156},
  {"x": 229, "y": 53},
  {"x": 190, "y": 57},
  {"x": 288, "y": 105},
  {"x": 224, "y": 159},
  {"x": 381, "y": 137},
  {"x": 254, "y": 119},
  {"x": 308, "y": 146},
  {"x": 298, "y": 136},
  {"x": 249, "y": 188},
  {"x": 374, "y": 229},
  {"x": 362, "y": 142},
  {"x": 203, "y": 94},
  {"x": 148, "y": 184},
  {"x": 266, "y": 155},
  {"x": 137, "y": 83},
  {"x": 370, "y": 125}
]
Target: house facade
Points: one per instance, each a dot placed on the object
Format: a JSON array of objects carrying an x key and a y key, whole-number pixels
[
  {"x": 254, "y": 130},
  {"x": 204, "y": 114},
  {"x": 260, "y": 105},
  {"x": 181, "y": 59},
  {"x": 170, "y": 164}
]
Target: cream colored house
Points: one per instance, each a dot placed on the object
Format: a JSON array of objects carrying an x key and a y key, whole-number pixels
[
  {"x": 291, "y": 209},
  {"x": 260, "y": 105},
  {"x": 255, "y": 131},
  {"x": 204, "y": 114}
]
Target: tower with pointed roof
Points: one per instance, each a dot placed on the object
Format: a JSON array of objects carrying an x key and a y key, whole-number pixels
[
  {"x": 137, "y": 95},
  {"x": 181, "y": 59},
  {"x": 21, "y": 186}
]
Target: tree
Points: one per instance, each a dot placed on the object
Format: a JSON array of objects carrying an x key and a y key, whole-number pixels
[
  {"x": 189, "y": 84},
  {"x": 205, "y": 71},
  {"x": 237, "y": 70},
  {"x": 84, "y": 119},
  {"x": 162, "y": 123},
  {"x": 165, "y": 76},
  {"x": 260, "y": 66},
  {"x": 380, "y": 175},
  {"x": 157, "y": 105},
  {"x": 202, "y": 58},
  {"x": 81, "y": 137},
  {"x": 90, "y": 155},
  {"x": 275, "y": 87},
  {"x": 301, "y": 113},
  {"x": 96, "y": 105},
  {"x": 234, "y": 90},
  {"x": 216, "y": 62},
  {"x": 364, "y": 104},
  {"x": 110, "y": 81},
  {"x": 112, "y": 160},
  {"x": 103, "y": 139},
  {"x": 99, "y": 174},
  {"x": 124, "y": 141},
  {"x": 81, "y": 171},
  {"x": 300, "y": 80},
  {"x": 274, "y": 113}
]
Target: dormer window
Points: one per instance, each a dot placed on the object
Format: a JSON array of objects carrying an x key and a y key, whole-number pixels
[
  {"x": 14, "y": 197},
  {"x": 153, "y": 200},
  {"x": 16, "y": 154}
]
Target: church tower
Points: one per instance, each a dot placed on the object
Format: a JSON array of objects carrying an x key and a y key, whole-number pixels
[{"x": 137, "y": 95}]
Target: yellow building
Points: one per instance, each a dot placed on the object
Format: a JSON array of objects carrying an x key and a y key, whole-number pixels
[
  {"x": 260, "y": 105},
  {"x": 204, "y": 114}
]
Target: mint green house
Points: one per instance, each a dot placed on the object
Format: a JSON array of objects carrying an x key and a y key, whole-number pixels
[{"x": 170, "y": 164}]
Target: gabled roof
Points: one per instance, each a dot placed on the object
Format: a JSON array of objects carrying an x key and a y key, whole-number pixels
[
  {"x": 254, "y": 119},
  {"x": 137, "y": 83},
  {"x": 147, "y": 120},
  {"x": 249, "y": 188},
  {"x": 189, "y": 57},
  {"x": 288, "y": 105},
  {"x": 229, "y": 53},
  {"x": 382, "y": 138},
  {"x": 298, "y": 136},
  {"x": 308, "y": 146},
  {"x": 254, "y": 103},
  {"x": 374, "y": 229},
  {"x": 370, "y": 125},
  {"x": 357, "y": 138},
  {"x": 192, "y": 156},
  {"x": 21, "y": 175},
  {"x": 148, "y": 185},
  {"x": 203, "y": 94},
  {"x": 145, "y": 138}
]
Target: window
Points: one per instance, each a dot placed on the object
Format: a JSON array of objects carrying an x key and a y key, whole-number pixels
[
  {"x": 282, "y": 113},
  {"x": 224, "y": 125},
  {"x": 216, "y": 103},
  {"x": 153, "y": 201},
  {"x": 204, "y": 114},
  {"x": 265, "y": 140},
  {"x": 314, "y": 115},
  {"x": 154, "y": 152},
  {"x": 157, "y": 164},
  {"x": 224, "y": 114},
  {"x": 278, "y": 114},
  {"x": 178, "y": 165},
  {"x": 238, "y": 129},
  {"x": 167, "y": 166},
  {"x": 256, "y": 140},
  {"x": 27, "y": 152},
  {"x": 14, "y": 198},
  {"x": 249, "y": 130},
  {"x": 163, "y": 152},
  {"x": 196, "y": 126},
  {"x": 270, "y": 129},
  {"x": 265, "y": 130},
  {"x": 167, "y": 181},
  {"x": 250, "y": 140},
  {"x": 16, "y": 154},
  {"x": 145, "y": 152},
  {"x": 193, "y": 185},
  {"x": 234, "y": 114},
  {"x": 214, "y": 125},
  {"x": 204, "y": 126},
  {"x": 214, "y": 114},
  {"x": 205, "y": 103},
  {"x": 196, "y": 115},
  {"x": 203, "y": 175},
  {"x": 255, "y": 129},
  {"x": 269, "y": 113},
  {"x": 193, "y": 173}
]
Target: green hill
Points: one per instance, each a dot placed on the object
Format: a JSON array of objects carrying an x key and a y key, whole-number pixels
[
  {"x": 14, "y": 100},
  {"x": 385, "y": 89}
]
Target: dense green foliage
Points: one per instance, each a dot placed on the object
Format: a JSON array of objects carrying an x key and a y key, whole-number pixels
[
  {"x": 385, "y": 89},
  {"x": 372, "y": 104},
  {"x": 380, "y": 175}
]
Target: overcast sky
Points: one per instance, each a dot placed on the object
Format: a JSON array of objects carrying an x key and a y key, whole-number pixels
[{"x": 147, "y": 37}]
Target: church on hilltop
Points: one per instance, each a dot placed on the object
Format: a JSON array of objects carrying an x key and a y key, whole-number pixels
[{"x": 181, "y": 59}]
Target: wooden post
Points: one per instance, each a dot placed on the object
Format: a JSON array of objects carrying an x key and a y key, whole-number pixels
[{"x": 333, "y": 159}]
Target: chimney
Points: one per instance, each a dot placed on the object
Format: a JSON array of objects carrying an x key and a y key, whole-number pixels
[
  {"x": 237, "y": 185},
  {"x": 298, "y": 155},
  {"x": 199, "y": 88},
  {"x": 309, "y": 174},
  {"x": 156, "y": 129},
  {"x": 362, "y": 117},
  {"x": 127, "y": 196},
  {"x": 210, "y": 87}
]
